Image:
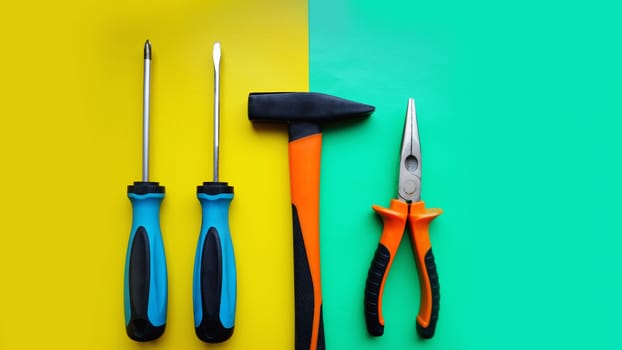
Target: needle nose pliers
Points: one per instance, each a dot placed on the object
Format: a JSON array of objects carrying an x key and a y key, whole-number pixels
[{"x": 407, "y": 207}]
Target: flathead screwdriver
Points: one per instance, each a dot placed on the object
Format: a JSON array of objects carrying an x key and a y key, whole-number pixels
[
  {"x": 214, "y": 283},
  {"x": 145, "y": 288}
]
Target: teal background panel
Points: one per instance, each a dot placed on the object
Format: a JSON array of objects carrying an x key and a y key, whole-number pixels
[{"x": 520, "y": 120}]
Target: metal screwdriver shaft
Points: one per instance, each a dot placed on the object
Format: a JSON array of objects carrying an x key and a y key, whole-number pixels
[
  {"x": 146, "y": 98},
  {"x": 216, "y": 57}
]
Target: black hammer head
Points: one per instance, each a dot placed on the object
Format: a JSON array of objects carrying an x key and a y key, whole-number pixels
[{"x": 310, "y": 107}]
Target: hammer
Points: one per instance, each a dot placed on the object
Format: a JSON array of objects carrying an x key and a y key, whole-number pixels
[{"x": 304, "y": 111}]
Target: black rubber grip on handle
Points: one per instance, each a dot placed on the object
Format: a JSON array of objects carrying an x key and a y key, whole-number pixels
[
  {"x": 376, "y": 273},
  {"x": 430, "y": 266},
  {"x": 304, "y": 295},
  {"x": 139, "y": 327},
  {"x": 211, "y": 329}
]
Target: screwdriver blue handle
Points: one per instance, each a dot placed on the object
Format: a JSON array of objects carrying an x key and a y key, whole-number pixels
[
  {"x": 214, "y": 284},
  {"x": 145, "y": 289}
]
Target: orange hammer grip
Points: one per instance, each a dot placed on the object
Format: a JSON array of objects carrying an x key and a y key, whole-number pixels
[{"x": 304, "y": 172}]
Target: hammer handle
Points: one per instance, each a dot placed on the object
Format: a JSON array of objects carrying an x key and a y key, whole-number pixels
[{"x": 304, "y": 171}]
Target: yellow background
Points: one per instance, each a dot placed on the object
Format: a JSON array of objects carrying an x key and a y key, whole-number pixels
[{"x": 70, "y": 143}]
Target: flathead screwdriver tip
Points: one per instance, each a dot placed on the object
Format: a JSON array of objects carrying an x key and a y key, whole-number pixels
[
  {"x": 147, "y": 49},
  {"x": 216, "y": 55}
]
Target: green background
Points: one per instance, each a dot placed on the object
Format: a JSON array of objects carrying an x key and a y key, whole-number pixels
[{"x": 520, "y": 120}]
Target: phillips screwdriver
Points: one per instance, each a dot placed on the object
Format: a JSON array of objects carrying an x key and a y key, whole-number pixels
[
  {"x": 145, "y": 295},
  {"x": 214, "y": 283}
]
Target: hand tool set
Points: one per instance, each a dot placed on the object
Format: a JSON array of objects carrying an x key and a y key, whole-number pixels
[{"x": 214, "y": 281}]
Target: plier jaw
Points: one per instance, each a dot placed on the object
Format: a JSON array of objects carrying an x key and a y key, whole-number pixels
[{"x": 410, "y": 158}]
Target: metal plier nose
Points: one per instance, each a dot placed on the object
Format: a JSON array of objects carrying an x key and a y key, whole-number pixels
[
  {"x": 408, "y": 207},
  {"x": 410, "y": 159}
]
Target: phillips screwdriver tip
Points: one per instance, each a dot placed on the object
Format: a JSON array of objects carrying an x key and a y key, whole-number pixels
[{"x": 147, "y": 50}]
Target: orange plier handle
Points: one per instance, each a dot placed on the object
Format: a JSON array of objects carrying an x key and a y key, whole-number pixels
[{"x": 395, "y": 218}]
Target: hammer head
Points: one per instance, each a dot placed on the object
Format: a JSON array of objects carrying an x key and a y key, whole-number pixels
[{"x": 305, "y": 107}]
